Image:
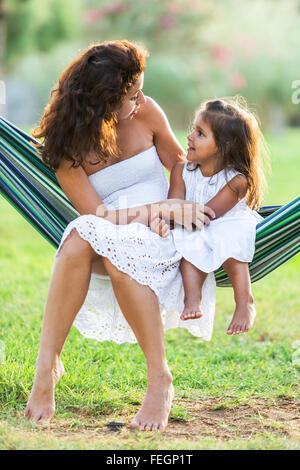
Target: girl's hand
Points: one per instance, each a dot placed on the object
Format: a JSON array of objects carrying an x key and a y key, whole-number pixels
[
  {"x": 184, "y": 213},
  {"x": 159, "y": 226}
]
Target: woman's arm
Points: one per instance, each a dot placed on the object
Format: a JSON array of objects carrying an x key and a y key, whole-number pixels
[
  {"x": 78, "y": 189},
  {"x": 168, "y": 148},
  {"x": 177, "y": 186},
  {"x": 229, "y": 196},
  {"x": 80, "y": 192}
]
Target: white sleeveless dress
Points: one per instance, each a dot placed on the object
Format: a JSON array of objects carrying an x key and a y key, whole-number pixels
[
  {"x": 229, "y": 236},
  {"x": 134, "y": 249}
]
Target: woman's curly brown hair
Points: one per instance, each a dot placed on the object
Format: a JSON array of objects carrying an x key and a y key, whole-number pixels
[
  {"x": 80, "y": 120},
  {"x": 240, "y": 142}
]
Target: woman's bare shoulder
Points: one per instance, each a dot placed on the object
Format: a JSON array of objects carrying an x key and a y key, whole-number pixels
[{"x": 152, "y": 113}]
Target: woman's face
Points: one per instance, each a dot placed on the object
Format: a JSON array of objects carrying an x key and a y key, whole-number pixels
[
  {"x": 201, "y": 143},
  {"x": 132, "y": 100}
]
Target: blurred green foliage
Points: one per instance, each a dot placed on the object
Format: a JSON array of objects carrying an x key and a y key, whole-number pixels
[
  {"x": 198, "y": 49},
  {"x": 31, "y": 25}
]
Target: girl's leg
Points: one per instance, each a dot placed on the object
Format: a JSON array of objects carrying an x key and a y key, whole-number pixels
[
  {"x": 244, "y": 314},
  {"x": 193, "y": 280},
  {"x": 140, "y": 307}
]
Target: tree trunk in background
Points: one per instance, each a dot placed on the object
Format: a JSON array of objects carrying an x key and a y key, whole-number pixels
[{"x": 2, "y": 49}]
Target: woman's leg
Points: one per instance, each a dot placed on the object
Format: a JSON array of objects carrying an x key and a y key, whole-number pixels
[
  {"x": 67, "y": 291},
  {"x": 244, "y": 314},
  {"x": 193, "y": 280},
  {"x": 140, "y": 307}
]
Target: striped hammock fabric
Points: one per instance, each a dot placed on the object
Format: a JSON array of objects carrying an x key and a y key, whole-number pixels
[{"x": 32, "y": 188}]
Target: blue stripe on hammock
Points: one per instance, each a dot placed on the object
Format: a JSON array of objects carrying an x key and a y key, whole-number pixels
[
  {"x": 37, "y": 222},
  {"x": 35, "y": 190},
  {"x": 276, "y": 213},
  {"x": 19, "y": 131}
]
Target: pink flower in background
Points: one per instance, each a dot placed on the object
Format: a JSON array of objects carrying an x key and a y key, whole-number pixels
[
  {"x": 221, "y": 55},
  {"x": 167, "y": 21},
  {"x": 91, "y": 16},
  {"x": 115, "y": 8},
  {"x": 237, "y": 80}
]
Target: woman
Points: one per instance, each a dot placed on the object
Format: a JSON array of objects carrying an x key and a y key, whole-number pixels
[{"x": 106, "y": 142}]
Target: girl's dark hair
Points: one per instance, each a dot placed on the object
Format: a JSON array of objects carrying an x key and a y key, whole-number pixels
[
  {"x": 239, "y": 141},
  {"x": 80, "y": 119}
]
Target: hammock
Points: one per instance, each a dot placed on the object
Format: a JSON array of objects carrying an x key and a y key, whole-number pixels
[{"x": 33, "y": 189}]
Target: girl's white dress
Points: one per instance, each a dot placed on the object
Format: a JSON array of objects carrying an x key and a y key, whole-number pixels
[
  {"x": 134, "y": 249},
  {"x": 229, "y": 236}
]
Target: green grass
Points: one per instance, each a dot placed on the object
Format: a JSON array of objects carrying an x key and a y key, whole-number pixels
[{"x": 105, "y": 380}]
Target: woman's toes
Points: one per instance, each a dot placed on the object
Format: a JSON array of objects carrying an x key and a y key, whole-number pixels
[
  {"x": 134, "y": 424},
  {"x": 161, "y": 427},
  {"x": 196, "y": 314}
]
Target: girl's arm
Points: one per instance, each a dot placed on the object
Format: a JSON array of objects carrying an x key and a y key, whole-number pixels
[{"x": 229, "y": 196}]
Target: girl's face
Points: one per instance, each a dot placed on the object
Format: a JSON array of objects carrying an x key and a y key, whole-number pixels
[
  {"x": 202, "y": 148},
  {"x": 132, "y": 101}
]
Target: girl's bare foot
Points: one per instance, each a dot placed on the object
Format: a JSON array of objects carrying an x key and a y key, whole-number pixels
[
  {"x": 41, "y": 403},
  {"x": 159, "y": 226},
  {"x": 192, "y": 310},
  {"x": 153, "y": 416},
  {"x": 243, "y": 318}
]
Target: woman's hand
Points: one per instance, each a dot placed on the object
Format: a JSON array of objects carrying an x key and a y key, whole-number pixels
[
  {"x": 159, "y": 226},
  {"x": 185, "y": 213},
  {"x": 188, "y": 214}
]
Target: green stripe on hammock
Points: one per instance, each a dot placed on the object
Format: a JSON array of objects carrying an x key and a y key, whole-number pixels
[{"x": 33, "y": 189}]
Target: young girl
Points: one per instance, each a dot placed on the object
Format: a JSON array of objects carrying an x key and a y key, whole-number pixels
[{"x": 223, "y": 171}]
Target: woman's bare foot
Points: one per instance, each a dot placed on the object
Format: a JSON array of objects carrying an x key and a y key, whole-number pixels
[
  {"x": 153, "y": 416},
  {"x": 192, "y": 309},
  {"x": 243, "y": 318},
  {"x": 159, "y": 226},
  {"x": 41, "y": 403}
]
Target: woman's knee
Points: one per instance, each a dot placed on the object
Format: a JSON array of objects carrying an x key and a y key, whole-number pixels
[{"x": 75, "y": 247}]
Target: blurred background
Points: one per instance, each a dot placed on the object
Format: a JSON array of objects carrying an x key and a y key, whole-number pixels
[{"x": 198, "y": 50}]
